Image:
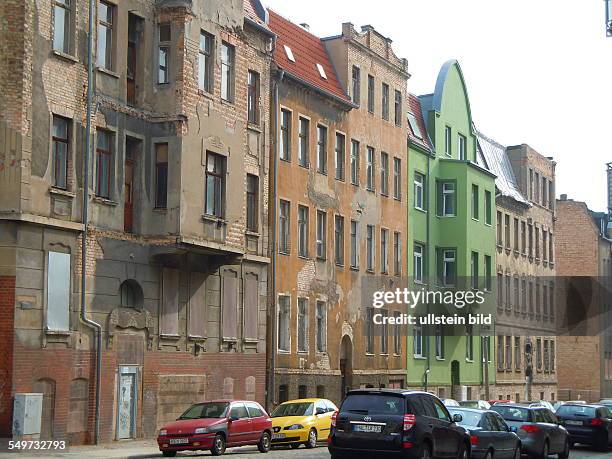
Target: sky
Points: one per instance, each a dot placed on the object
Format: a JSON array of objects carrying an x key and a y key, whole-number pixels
[{"x": 538, "y": 71}]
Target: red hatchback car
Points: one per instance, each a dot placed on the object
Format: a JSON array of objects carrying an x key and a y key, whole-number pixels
[{"x": 216, "y": 425}]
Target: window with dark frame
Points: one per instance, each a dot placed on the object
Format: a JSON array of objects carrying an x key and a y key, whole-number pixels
[
  {"x": 61, "y": 151},
  {"x": 285, "y": 137},
  {"x": 398, "y": 108},
  {"x": 165, "y": 37},
  {"x": 370, "y": 248},
  {"x": 104, "y": 161},
  {"x": 303, "y": 141},
  {"x": 370, "y": 182},
  {"x": 215, "y": 185},
  {"x": 227, "y": 71},
  {"x": 384, "y": 334},
  {"x": 384, "y": 251},
  {"x": 397, "y": 253},
  {"x": 475, "y": 202},
  {"x": 253, "y": 97},
  {"x": 462, "y": 147},
  {"x": 356, "y": 84},
  {"x": 321, "y": 234},
  {"x": 385, "y": 101},
  {"x": 397, "y": 178},
  {"x": 488, "y": 208},
  {"x": 105, "y": 37},
  {"x": 354, "y": 244},
  {"x": 284, "y": 227},
  {"x": 252, "y": 202},
  {"x": 303, "y": 231},
  {"x": 384, "y": 174},
  {"x": 397, "y": 341},
  {"x": 62, "y": 25},
  {"x": 354, "y": 162},
  {"x": 339, "y": 240},
  {"x": 284, "y": 323},
  {"x": 340, "y": 155},
  {"x": 206, "y": 62},
  {"x": 302, "y": 325},
  {"x": 161, "y": 175},
  {"x": 418, "y": 260},
  {"x": 369, "y": 331},
  {"x": 370, "y": 93},
  {"x": 321, "y": 321},
  {"x": 321, "y": 149}
]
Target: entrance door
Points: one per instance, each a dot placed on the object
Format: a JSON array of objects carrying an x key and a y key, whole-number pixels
[
  {"x": 126, "y": 403},
  {"x": 346, "y": 365}
]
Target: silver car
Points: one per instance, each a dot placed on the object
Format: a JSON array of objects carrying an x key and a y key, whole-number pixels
[{"x": 538, "y": 428}]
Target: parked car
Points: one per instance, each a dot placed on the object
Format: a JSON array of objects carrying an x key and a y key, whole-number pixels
[
  {"x": 537, "y": 427},
  {"x": 542, "y": 403},
  {"x": 559, "y": 403},
  {"x": 302, "y": 422},
  {"x": 476, "y": 404},
  {"x": 588, "y": 424},
  {"x": 410, "y": 424},
  {"x": 449, "y": 402},
  {"x": 606, "y": 402},
  {"x": 216, "y": 425},
  {"x": 490, "y": 436},
  {"x": 493, "y": 402}
]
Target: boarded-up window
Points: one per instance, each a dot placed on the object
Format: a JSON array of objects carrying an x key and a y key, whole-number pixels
[
  {"x": 251, "y": 307},
  {"x": 229, "y": 306},
  {"x": 47, "y": 388},
  {"x": 197, "y": 305},
  {"x": 170, "y": 302},
  {"x": 58, "y": 291},
  {"x": 228, "y": 388},
  {"x": 77, "y": 415},
  {"x": 249, "y": 387}
]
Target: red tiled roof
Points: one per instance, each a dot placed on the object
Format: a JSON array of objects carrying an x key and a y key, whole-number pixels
[
  {"x": 308, "y": 51},
  {"x": 414, "y": 107},
  {"x": 249, "y": 12}
]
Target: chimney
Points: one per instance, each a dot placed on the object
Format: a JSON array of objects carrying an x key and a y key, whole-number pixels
[
  {"x": 563, "y": 197},
  {"x": 305, "y": 26}
]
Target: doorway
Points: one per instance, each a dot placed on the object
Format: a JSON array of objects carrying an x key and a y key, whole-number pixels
[
  {"x": 127, "y": 402},
  {"x": 455, "y": 380},
  {"x": 346, "y": 365}
]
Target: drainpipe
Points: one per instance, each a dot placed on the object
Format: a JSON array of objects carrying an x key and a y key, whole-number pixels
[
  {"x": 90, "y": 323},
  {"x": 428, "y": 259},
  {"x": 271, "y": 393}
]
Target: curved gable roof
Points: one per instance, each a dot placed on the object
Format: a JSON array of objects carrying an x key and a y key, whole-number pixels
[{"x": 441, "y": 82}]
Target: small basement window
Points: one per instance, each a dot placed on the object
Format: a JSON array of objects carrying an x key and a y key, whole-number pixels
[
  {"x": 289, "y": 53},
  {"x": 321, "y": 71}
]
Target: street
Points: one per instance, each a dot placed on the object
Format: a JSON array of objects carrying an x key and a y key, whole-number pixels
[{"x": 147, "y": 449}]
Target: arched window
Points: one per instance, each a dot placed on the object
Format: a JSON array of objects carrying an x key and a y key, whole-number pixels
[{"x": 131, "y": 294}]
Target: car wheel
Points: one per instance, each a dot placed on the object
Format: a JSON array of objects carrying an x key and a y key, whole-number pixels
[
  {"x": 312, "y": 439},
  {"x": 517, "y": 453},
  {"x": 565, "y": 453},
  {"x": 218, "y": 447},
  {"x": 545, "y": 450},
  {"x": 264, "y": 443},
  {"x": 489, "y": 455},
  {"x": 169, "y": 453},
  {"x": 425, "y": 451},
  {"x": 294, "y": 445},
  {"x": 463, "y": 453}
]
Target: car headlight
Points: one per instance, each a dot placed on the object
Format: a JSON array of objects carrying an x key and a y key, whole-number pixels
[
  {"x": 163, "y": 432},
  {"x": 294, "y": 427},
  {"x": 201, "y": 430}
]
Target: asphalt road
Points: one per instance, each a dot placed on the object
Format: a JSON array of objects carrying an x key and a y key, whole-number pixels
[{"x": 143, "y": 450}]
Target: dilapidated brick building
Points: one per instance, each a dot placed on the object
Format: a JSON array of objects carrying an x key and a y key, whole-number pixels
[{"x": 177, "y": 248}]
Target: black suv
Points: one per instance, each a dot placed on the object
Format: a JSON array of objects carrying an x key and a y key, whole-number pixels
[{"x": 401, "y": 423}]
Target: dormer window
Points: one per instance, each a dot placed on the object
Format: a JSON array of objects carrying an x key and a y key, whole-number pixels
[
  {"x": 321, "y": 71},
  {"x": 414, "y": 126},
  {"x": 289, "y": 53}
]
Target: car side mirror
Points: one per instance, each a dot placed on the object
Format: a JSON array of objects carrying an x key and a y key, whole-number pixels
[
  {"x": 320, "y": 411},
  {"x": 457, "y": 417}
]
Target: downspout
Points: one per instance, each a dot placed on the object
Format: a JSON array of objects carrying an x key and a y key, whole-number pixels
[
  {"x": 90, "y": 323},
  {"x": 271, "y": 393},
  {"x": 428, "y": 259}
]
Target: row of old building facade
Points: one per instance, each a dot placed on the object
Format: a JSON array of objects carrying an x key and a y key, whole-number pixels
[{"x": 250, "y": 185}]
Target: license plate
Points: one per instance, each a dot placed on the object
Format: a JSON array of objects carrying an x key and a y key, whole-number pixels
[
  {"x": 179, "y": 441},
  {"x": 367, "y": 428},
  {"x": 574, "y": 423},
  {"x": 278, "y": 436}
]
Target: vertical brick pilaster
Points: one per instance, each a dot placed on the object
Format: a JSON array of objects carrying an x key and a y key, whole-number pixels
[{"x": 7, "y": 314}]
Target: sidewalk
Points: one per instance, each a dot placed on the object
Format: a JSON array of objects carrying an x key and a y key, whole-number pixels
[{"x": 133, "y": 449}]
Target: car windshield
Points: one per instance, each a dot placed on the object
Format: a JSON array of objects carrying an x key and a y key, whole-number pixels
[
  {"x": 469, "y": 403},
  {"x": 206, "y": 410},
  {"x": 470, "y": 419},
  {"x": 512, "y": 413},
  {"x": 576, "y": 410},
  {"x": 293, "y": 409},
  {"x": 373, "y": 404}
]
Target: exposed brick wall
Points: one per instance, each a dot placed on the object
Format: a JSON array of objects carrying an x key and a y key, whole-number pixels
[{"x": 7, "y": 311}]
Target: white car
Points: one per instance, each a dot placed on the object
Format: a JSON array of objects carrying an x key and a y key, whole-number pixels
[{"x": 450, "y": 402}]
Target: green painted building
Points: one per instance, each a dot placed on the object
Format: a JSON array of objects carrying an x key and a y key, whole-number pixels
[{"x": 451, "y": 234}]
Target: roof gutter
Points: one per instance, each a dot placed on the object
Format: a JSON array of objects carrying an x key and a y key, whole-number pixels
[
  {"x": 346, "y": 104},
  {"x": 259, "y": 27}
]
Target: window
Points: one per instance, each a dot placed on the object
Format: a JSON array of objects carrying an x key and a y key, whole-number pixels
[
  {"x": 508, "y": 349},
  {"x": 340, "y": 158},
  {"x": 58, "y": 291},
  {"x": 474, "y": 270},
  {"x": 488, "y": 207},
  {"x": 369, "y": 330},
  {"x": 339, "y": 240},
  {"x": 516, "y": 234},
  {"x": 370, "y": 248},
  {"x": 517, "y": 294},
  {"x": 500, "y": 290},
  {"x": 322, "y": 149},
  {"x": 551, "y": 248},
  {"x": 447, "y": 267},
  {"x": 475, "y": 203},
  {"x": 385, "y": 101},
  {"x": 417, "y": 338},
  {"x": 538, "y": 354},
  {"x": 530, "y": 187},
  {"x": 397, "y": 253},
  {"x": 546, "y": 356},
  {"x": 414, "y": 126},
  {"x": 487, "y": 272},
  {"x": 321, "y": 234},
  {"x": 253, "y": 97},
  {"x": 370, "y": 169},
  {"x": 285, "y": 138},
  {"x": 397, "y": 336},
  {"x": 544, "y": 245},
  {"x": 354, "y": 244},
  {"x": 398, "y": 108},
  {"x": 252, "y": 202},
  {"x": 448, "y": 140},
  {"x": 164, "y": 37},
  {"x": 170, "y": 302},
  {"x": 60, "y": 151},
  {"x": 384, "y": 251},
  {"x": 500, "y": 239},
  {"x": 439, "y": 342},
  {"x": 552, "y": 356},
  {"x": 354, "y": 162},
  {"x": 304, "y": 136},
  {"x": 551, "y": 198},
  {"x": 321, "y": 326},
  {"x": 523, "y": 238},
  {"x": 397, "y": 178},
  {"x": 507, "y": 230},
  {"x": 462, "y": 147},
  {"x": 419, "y": 191},
  {"x": 284, "y": 324},
  {"x": 303, "y": 231},
  {"x": 284, "y": 227},
  {"x": 469, "y": 343},
  {"x": 524, "y": 296},
  {"x": 418, "y": 262},
  {"x": 446, "y": 199},
  {"x": 61, "y": 25},
  {"x": 384, "y": 334},
  {"x": 537, "y": 243},
  {"x": 544, "y": 192},
  {"x": 227, "y": 72},
  {"x": 283, "y": 393},
  {"x": 161, "y": 175},
  {"x": 215, "y": 184},
  {"x": 551, "y": 301},
  {"x": 517, "y": 353},
  {"x": 536, "y": 188},
  {"x": 302, "y": 325},
  {"x": 370, "y": 93},
  {"x": 104, "y": 54},
  {"x": 500, "y": 354},
  {"x": 104, "y": 163},
  {"x": 384, "y": 173},
  {"x": 356, "y": 84},
  {"x": 206, "y": 62},
  {"x": 289, "y": 53}
]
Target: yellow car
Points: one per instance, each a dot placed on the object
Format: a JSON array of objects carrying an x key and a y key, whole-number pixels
[{"x": 303, "y": 421}]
